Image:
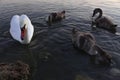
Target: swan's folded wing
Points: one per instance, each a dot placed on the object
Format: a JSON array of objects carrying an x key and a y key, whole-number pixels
[
  {"x": 30, "y": 31},
  {"x": 15, "y": 28}
]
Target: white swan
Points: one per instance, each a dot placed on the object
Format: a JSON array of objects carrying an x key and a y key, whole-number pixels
[{"x": 21, "y": 29}]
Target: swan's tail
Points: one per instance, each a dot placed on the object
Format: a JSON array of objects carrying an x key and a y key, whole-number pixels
[{"x": 104, "y": 54}]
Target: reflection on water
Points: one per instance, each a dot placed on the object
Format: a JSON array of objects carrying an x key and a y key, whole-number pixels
[{"x": 51, "y": 54}]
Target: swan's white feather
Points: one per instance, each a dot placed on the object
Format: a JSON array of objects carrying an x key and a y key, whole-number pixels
[{"x": 15, "y": 28}]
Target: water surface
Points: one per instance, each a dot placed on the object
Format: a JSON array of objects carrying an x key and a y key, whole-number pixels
[{"x": 50, "y": 54}]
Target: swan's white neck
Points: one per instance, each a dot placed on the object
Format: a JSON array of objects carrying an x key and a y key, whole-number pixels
[{"x": 24, "y": 24}]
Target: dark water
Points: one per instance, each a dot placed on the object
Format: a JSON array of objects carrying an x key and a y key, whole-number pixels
[{"x": 51, "y": 55}]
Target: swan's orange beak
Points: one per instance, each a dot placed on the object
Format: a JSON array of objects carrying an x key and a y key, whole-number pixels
[{"x": 23, "y": 30}]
